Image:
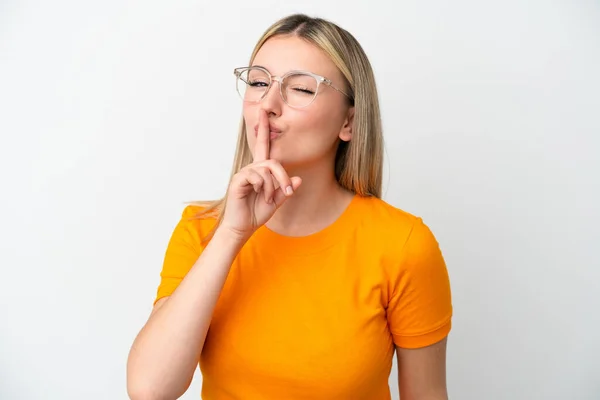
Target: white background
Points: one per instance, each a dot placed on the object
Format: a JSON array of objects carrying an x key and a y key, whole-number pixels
[{"x": 114, "y": 113}]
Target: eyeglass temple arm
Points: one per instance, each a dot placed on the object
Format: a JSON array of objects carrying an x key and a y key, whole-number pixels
[{"x": 329, "y": 83}]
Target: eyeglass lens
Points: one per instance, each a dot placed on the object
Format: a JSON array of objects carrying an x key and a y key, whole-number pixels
[{"x": 298, "y": 89}]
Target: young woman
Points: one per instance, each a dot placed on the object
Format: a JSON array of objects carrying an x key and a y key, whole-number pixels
[{"x": 300, "y": 283}]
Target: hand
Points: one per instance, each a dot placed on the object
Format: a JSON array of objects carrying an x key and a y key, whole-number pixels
[{"x": 259, "y": 189}]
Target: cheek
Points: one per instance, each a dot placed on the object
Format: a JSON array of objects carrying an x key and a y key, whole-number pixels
[
  {"x": 250, "y": 121},
  {"x": 250, "y": 140},
  {"x": 322, "y": 123}
]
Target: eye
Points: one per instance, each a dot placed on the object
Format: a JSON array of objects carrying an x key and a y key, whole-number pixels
[
  {"x": 301, "y": 84},
  {"x": 307, "y": 91},
  {"x": 257, "y": 84},
  {"x": 301, "y": 89}
]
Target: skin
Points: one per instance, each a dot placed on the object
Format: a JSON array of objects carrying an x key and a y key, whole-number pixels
[
  {"x": 422, "y": 372},
  {"x": 310, "y": 136},
  {"x": 291, "y": 187}
]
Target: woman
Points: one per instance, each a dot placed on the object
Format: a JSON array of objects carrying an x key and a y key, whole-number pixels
[{"x": 307, "y": 280}]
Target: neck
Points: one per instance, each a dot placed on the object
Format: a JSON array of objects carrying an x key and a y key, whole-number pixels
[{"x": 316, "y": 204}]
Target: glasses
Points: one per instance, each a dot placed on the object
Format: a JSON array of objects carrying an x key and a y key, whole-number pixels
[{"x": 297, "y": 88}]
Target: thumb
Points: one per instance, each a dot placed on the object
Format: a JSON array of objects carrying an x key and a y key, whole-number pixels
[{"x": 280, "y": 197}]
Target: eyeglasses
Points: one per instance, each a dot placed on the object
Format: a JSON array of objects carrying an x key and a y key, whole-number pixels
[{"x": 297, "y": 88}]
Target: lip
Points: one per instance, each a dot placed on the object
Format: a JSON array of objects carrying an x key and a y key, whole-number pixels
[{"x": 275, "y": 132}]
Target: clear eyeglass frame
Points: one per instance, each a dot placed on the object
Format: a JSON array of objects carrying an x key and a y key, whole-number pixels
[{"x": 320, "y": 80}]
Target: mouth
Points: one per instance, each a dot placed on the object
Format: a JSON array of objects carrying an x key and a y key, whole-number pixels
[{"x": 274, "y": 132}]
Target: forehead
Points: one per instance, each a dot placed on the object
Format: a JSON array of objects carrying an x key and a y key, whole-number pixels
[{"x": 282, "y": 54}]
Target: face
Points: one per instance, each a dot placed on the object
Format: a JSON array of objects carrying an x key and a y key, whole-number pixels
[{"x": 300, "y": 136}]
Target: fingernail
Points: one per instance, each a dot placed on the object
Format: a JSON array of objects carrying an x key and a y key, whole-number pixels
[{"x": 289, "y": 190}]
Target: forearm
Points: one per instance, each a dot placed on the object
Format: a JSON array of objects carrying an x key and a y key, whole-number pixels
[{"x": 165, "y": 353}]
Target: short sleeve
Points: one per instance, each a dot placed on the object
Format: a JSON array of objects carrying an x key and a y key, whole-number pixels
[
  {"x": 182, "y": 252},
  {"x": 420, "y": 308}
]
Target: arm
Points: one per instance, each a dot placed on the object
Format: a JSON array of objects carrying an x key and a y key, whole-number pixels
[
  {"x": 422, "y": 372},
  {"x": 419, "y": 314},
  {"x": 164, "y": 355}
]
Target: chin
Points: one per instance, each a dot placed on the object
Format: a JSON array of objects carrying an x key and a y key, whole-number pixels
[{"x": 279, "y": 155}]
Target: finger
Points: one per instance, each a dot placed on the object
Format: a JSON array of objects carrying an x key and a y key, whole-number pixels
[
  {"x": 252, "y": 178},
  {"x": 280, "y": 197},
  {"x": 261, "y": 147},
  {"x": 280, "y": 175},
  {"x": 268, "y": 186},
  {"x": 275, "y": 182}
]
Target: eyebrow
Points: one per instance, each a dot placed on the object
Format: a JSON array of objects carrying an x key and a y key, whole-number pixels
[{"x": 292, "y": 70}]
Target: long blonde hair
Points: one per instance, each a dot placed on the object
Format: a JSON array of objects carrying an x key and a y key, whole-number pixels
[{"x": 359, "y": 162}]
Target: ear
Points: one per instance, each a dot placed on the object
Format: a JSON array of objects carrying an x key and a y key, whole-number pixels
[{"x": 346, "y": 132}]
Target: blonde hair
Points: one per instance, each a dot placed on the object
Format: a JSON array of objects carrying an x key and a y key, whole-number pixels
[{"x": 359, "y": 162}]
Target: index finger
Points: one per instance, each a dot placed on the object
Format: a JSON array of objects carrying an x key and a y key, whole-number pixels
[{"x": 263, "y": 138}]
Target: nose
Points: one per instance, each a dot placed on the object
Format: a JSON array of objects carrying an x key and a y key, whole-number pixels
[{"x": 272, "y": 102}]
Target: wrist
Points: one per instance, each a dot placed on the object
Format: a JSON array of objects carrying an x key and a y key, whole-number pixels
[{"x": 231, "y": 236}]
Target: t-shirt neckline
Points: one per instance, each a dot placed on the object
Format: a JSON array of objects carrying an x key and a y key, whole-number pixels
[{"x": 315, "y": 242}]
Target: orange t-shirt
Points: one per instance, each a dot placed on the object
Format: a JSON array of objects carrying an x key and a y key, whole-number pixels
[{"x": 317, "y": 317}]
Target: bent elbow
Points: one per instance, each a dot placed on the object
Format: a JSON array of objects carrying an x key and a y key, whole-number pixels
[
  {"x": 145, "y": 389},
  {"x": 142, "y": 392}
]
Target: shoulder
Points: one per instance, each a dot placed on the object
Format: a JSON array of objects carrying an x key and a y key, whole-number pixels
[
  {"x": 381, "y": 207},
  {"x": 386, "y": 217},
  {"x": 400, "y": 230},
  {"x": 195, "y": 223}
]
